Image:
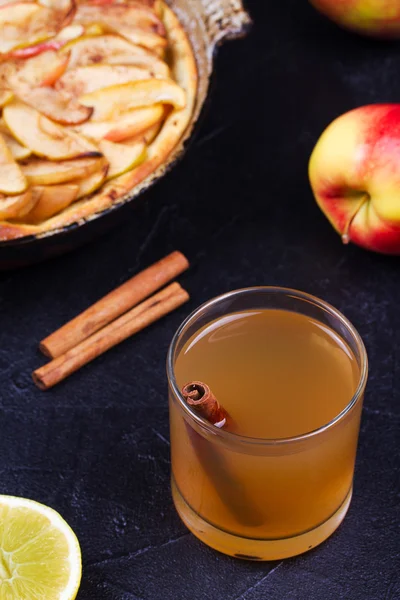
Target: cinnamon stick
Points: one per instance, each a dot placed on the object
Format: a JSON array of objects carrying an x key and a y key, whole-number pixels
[
  {"x": 114, "y": 304},
  {"x": 235, "y": 497},
  {"x": 198, "y": 395},
  {"x": 136, "y": 319}
]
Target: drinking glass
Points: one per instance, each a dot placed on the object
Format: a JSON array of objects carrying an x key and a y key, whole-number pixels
[{"x": 255, "y": 498}]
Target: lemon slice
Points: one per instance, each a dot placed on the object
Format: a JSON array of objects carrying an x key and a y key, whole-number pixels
[{"x": 40, "y": 557}]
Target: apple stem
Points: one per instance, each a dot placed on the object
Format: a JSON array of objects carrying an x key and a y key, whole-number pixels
[
  {"x": 346, "y": 235},
  {"x": 345, "y": 238}
]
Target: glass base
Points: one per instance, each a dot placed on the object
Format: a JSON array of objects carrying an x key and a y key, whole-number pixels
[{"x": 249, "y": 549}]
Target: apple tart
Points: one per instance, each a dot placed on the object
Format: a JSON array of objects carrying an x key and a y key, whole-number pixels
[{"x": 94, "y": 95}]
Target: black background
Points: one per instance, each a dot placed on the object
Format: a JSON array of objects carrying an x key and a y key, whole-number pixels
[{"x": 239, "y": 205}]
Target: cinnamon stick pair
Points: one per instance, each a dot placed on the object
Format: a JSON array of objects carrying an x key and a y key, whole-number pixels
[{"x": 101, "y": 326}]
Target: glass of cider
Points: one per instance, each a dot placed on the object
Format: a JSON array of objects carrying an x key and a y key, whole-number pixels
[{"x": 290, "y": 370}]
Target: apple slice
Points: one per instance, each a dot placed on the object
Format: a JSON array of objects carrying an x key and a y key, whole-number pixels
[
  {"x": 122, "y": 158},
  {"x": 110, "y": 102},
  {"x": 149, "y": 40},
  {"x": 8, "y": 69},
  {"x": 71, "y": 32},
  {"x": 47, "y": 172},
  {"x": 138, "y": 3},
  {"x": 44, "y": 137},
  {"x": 12, "y": 180},
  {"x": 147, "y": 136},
  {"x": 15, "y": 21},
  {"x": 111, "y": 50},
  {"x": 18, "y": 152},
  {"x": 12, "y": 207},
  {"x": 60, "y": 13},
  {"x": 65, "y": 35},
  {"x": 50, "y": 200},
  {"x": 26, "y": 24},
  {"x": 5, "y": 96},
  {"x": 4, "y": 3},
  {"x": 59, "y": 5},
  {"x": 92, "y": 183},
  {"x": 43, "y": 69},
  {"x": 17, "y": 13},
  {"x": 135, "y": 16},
  {"x": 125, "y": 126},
  {"x": 59, "y": 69},
  {"x": 63, "y": 108},
  {"x": 85, "y": 80},
  {"x": 151, "y": 133},
  {"x": 35, "y": 49},
  {"x": 94, "y": 29}
]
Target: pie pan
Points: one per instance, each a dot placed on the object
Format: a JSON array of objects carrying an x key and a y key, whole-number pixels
[{"x": 207, "y": 23}]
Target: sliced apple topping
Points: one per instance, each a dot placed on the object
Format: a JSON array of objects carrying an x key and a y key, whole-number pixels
[
  {"x": 85, "y": 80},
  {"x": 58, "y": 106},
  {"x": 110, "y": 102},
  {"x": 125, "y": 126},
  {"x": 17, "y": 12},
  {"x": 5, "y": 96},
  {"x": 44, "y": 137},
  {"x": 148, "y": 135},
  {"x": 24, "y": 75},
  {"x": 8, "y": 2},
  {"x": 61, "y": 5},
  {"x": 137, "y": 16},
  {"x": 15, "y": 22},
  {"x": 25, "y": 24},
  {"x": 71, "y": 32},
  {"x": 18, "y": 151},
  {"x": 138, "y": 3},
  {"x": 92, "y": 183},
  {"x": 122, "y": 158},
  {"x": 41, "y": 70},
  {"x": 50, "y": 200},
  {"x": 46, "y": 172},
  {"x": 111, "y": 50},
  {"x": 12, "y": 207},
  {"x": 139, "y": 25},
  {"x": 149, "y": 40},
  {"x": 151, "y": 133},
  {"x": 36, "y": 49},
  {"x": 61, "y": 13},
  {"x": 12, "y": 180}
]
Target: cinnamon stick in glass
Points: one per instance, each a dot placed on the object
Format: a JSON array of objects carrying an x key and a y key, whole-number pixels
[
  {"x": 114, "y": 304},
  {"x": 199, "y": 396},
  {"x": 131, "y": 322}
]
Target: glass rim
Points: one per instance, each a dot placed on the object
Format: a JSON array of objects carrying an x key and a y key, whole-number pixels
[{"x": 238, "y": 438}]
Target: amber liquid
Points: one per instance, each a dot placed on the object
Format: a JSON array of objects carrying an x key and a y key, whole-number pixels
[{"x": 279, "y": 374}]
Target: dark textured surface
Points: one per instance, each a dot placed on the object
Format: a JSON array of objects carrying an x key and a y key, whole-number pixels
[{"x": 96, "y": 447}]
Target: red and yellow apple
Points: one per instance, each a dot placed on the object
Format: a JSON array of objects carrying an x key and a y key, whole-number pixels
[
  {"x": 354, "y": 173},
  {"x": 380, "y": 18}
]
